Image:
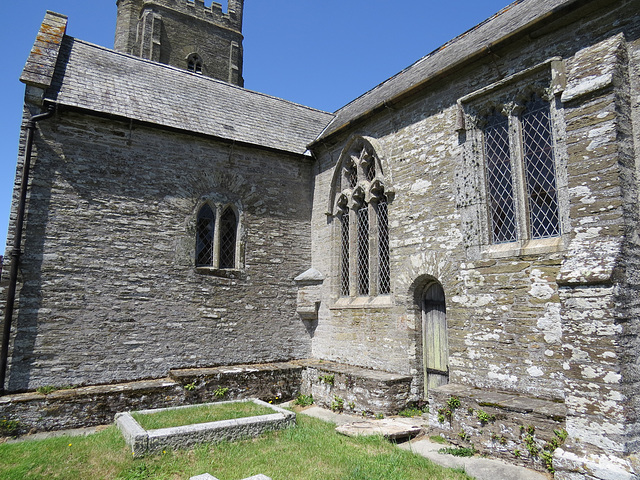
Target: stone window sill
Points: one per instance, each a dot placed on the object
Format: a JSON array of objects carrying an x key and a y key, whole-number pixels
[
  {"x": 524, "y": 247},
  {"x": 381, "y": 301},
  {"x": 230, "y": 273}
]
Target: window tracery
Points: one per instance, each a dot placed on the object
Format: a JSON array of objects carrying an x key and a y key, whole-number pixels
[{"x": 361, "y": 207}]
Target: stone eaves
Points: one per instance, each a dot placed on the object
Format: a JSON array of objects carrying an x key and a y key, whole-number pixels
[{"x": 514, "y": 18}]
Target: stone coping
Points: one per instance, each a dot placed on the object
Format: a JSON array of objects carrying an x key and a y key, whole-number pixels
[
  {"x": 183, "y": 373},
  {"x": 143, "y": 441},
  {"x": 506, "y": 401},
  {"x": 376, "y": 375},
  {"x": 129, "y": 387}
]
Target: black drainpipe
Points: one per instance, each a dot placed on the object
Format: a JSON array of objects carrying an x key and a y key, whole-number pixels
[{"x": 17, "y": 244}]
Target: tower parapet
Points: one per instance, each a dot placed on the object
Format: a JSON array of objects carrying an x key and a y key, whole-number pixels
[{"x": 184, "y": 33}]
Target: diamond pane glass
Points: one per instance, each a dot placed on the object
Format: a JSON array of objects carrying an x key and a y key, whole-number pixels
[
  {"x": 384, "y": 276},
  {"x": 205, "y": 225},
  {"x": 363, "y": 250},
  {"x": 344, "y": 255},
  {"x": 228, "y": 225},
  {"x": 500, "y": 180},
  {"x": 542, "y": 196}
]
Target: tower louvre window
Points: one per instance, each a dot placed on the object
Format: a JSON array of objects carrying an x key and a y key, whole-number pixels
[{"x": 194, "y": 63}]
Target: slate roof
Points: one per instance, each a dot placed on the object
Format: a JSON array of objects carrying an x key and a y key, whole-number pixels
[
  {"x": 102, "y": 80},
  {"x": 512, "y": 19}
]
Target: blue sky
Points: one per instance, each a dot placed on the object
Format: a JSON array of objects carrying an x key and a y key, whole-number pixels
[{"x": 318, "y": 53}]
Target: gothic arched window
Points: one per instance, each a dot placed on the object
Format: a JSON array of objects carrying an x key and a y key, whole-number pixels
[{"x": 361, "y": 206}]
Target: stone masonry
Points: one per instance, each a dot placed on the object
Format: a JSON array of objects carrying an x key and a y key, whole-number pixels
[{"x": 370, "y": 242}]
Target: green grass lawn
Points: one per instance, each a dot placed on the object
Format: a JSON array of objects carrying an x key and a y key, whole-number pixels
[
  {"x": 311, "y": 451},
  {"x": 200, "y": 414}
]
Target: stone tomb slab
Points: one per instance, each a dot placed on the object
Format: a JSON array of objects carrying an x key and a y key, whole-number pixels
[
  {"x": 143, "y": 441},
  {"x": 390, "y": 428}
]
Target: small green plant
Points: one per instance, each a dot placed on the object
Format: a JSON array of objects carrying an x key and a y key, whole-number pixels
[
  {"x": 303, "y": 400},
  {"x": 379, "y": 416},
  {"x": 328, "y": 379},
  {"x": 517, "y": 453},
  {"x": 220, "y": 392},
  {"x": 351, "y": 405},
  {"x": 484, "y": 417},
  {"x": 413, "y": 411},
  {"x": 546, "y": 455},
  {"x": 9, "y": 428},
  {"x": 463, "y": 435},
  {"x": 459, "y": 451},
  {"x": 338, "y": 404},
  {"x": 547, "y": 460},
  {"x": 530, "y": 444},
  {"x": 190, "y": 387},
  {"x": 561, "y": 434},
  {"x": 438, "y": 439},
  {"x": 470, "y": 411},
  {"x": 46, "y": 389},
  {"x": 453, "y": 403}
]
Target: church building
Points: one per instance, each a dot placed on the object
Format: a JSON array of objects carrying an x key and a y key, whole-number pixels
[{"x": 464, "y": 234}]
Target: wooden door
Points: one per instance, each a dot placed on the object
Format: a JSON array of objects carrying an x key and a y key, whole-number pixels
[{"x": 435, "y": 340}]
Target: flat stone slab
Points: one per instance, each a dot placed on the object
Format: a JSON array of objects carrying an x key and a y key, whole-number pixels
[
  {"x": 390, "y": 428},
  {"x": 478, "y": 467}
]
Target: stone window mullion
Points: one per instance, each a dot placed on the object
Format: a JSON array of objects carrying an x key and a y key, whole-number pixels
[{"x": 216, "y": 237}]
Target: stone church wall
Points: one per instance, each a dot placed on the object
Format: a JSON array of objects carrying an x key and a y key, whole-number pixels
[
  {"x": 110, "y": 291},
  {"x": 554, "y": 319}
]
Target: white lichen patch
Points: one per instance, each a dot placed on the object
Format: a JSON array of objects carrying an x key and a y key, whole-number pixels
[
  {"x": 473, "y": 301},
  {"x": 535, "y": 371},
  {"x": 540, "y": 287},
  {"x": 551, "y": 324}
]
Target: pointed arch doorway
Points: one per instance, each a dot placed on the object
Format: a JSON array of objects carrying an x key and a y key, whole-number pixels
[{"x": 435, "y": 343}]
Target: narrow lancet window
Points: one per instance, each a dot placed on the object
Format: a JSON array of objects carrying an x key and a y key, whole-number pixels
[
  {"x": 205, "y": 226},
  {"x": 228, "y": 228},
  {"x": 344, "y": 254},
  {"x": 384, "y": 272},
  {"x": 363, "y": 250}
]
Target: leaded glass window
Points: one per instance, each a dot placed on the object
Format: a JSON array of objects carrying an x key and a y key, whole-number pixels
[
  {"x": 537, "y": 142},
  {"x": 520, "y": 170},
  {"x": 344, "y": 254},
  {"x": 361, "y": 206},
  {"x": 205, "y": 227},
  {"x": 500, "y": 180},
  {"x": 362, "y": 266},
  {"x": 384, "y": 272},
  {"x": 228, "y": 227}
]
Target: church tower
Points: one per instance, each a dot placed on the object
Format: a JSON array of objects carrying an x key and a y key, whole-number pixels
[{"x": 185, "y": 34}]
